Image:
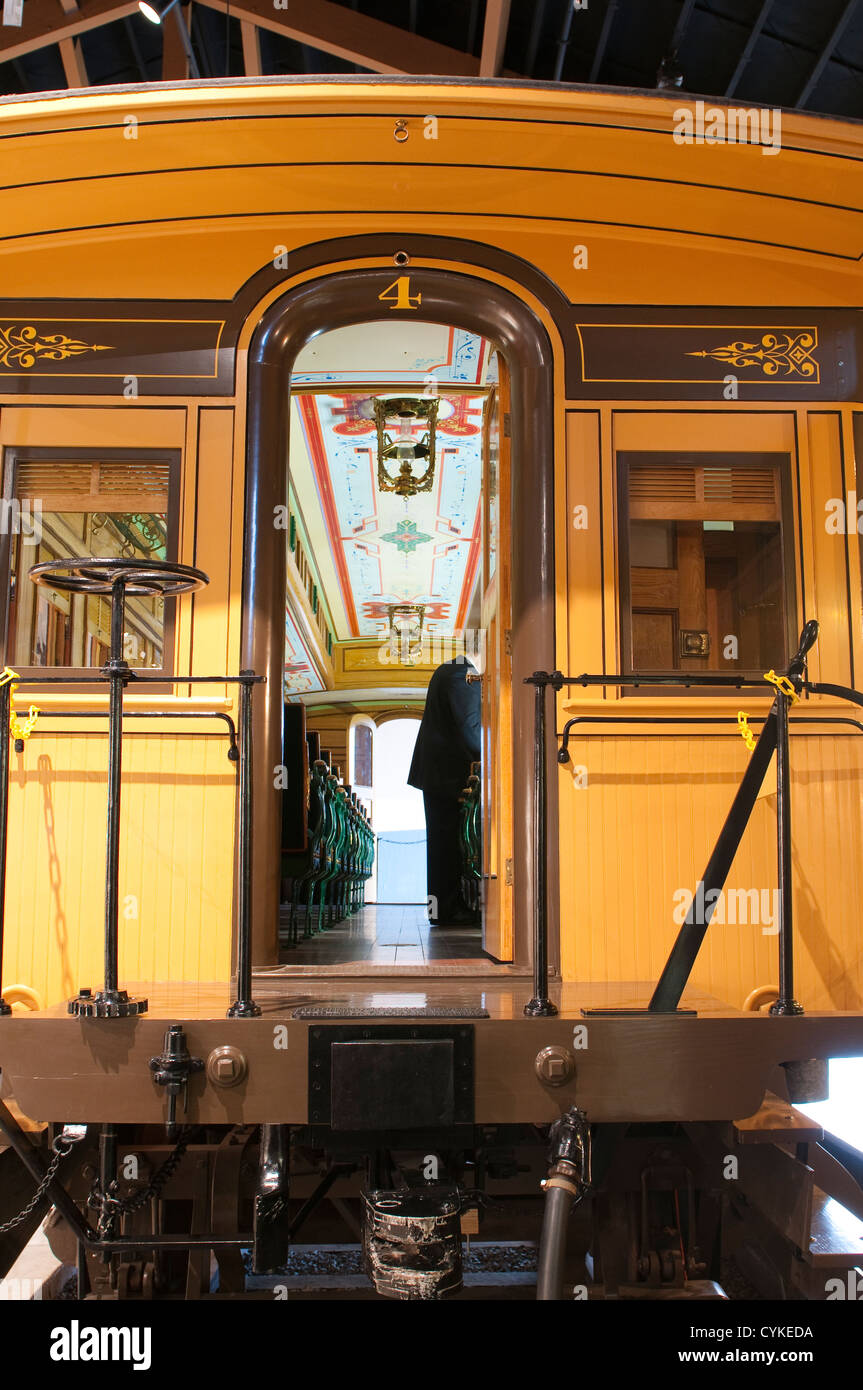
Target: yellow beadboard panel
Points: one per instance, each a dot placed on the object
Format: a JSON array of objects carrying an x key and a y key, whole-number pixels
[
  {"x": 210, "y": 655},
  {"x": 583, "y": 542},
  {"x": 827, "y": 596},
  {"x": 176, "y": 862},
  {"x": 644, "y": 827}
]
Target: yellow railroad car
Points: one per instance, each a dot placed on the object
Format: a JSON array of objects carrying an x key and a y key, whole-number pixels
[{"x": 629, "y": 329}]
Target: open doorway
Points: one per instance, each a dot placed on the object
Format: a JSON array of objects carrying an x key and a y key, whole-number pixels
[
  {"x": 397, "y": 820},
  {"x": 395, "y": 549}
]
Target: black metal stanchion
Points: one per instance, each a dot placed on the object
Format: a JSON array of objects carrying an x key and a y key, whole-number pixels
[
  {"x": 112, "y": 1000},
  {"x": 5, "y": 713},
  {"x": 786, "y": 1003},
  {"x": 244, "y": 1005},
  {"x": 540, "y": 1006},
  {"x": 120, "y": 578}
]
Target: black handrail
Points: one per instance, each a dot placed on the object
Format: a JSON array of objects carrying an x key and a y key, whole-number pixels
[
  {"x": 563, "y": 753},
  {"x": 233, "y": 749},
  {"x": 774, "y": 736},
  {"x": 238, "y": 751}
]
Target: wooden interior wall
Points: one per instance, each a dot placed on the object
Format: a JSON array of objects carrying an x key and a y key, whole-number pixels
[{"x": 333, "y": 729}]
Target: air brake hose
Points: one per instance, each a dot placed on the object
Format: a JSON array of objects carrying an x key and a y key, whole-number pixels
[{"x": 567, "y": 1183}]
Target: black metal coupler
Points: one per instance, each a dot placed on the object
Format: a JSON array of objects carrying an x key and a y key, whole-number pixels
[{"x": 569, "y": 1154}]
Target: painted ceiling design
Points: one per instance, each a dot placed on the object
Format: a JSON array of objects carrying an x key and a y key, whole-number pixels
[
  {"x": 390, "y": 549},
  {"x": 373, "y": 549},
  {"x": 300, "y": 673},
  {"x": 432, "y": 350}
]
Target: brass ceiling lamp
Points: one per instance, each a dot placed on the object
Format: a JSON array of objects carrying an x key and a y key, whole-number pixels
[
  {"x": 406, "y": 631},
  {"x": 406, "y": 620},
  {"x": 404, "y": 450}
]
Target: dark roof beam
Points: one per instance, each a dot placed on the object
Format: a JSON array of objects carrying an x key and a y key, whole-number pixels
[
  {"x": 197, "y": 34},
  {"x": 494, "y": 37},
  {"x": 70, "y": 53},
  {"x": 754, "y": 36},
  {"x": 354, "y": 37},
  {"x": 563, "y": 41},
  {"x": 826, "y": 53},
  {"x": 135, "y": 49},
  {"x": 472, "y": 26},
  {"x": 533, "y": 40},
  {"x": 251, "y": 36},
  {"x": 680, "y": 27},
  {"x": 45, "y": 24},
  {"x": 604, "y": 36}
]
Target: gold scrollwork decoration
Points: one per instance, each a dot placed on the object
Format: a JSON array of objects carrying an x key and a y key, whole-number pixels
[
  {"x": 777, "y": 354},
  {"x": 22, "y": 346}
]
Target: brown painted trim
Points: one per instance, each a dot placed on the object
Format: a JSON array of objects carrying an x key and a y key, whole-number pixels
[
  {"x": 170, "y": 348},
  {"x": 617, "y": 352},
  {"x": 353, "y": 297}
]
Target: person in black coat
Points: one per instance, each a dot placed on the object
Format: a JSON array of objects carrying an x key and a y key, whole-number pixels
[{"x": 448, "y": 742}]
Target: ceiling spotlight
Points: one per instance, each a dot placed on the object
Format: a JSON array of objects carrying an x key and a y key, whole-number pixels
[
  {"x": 670, "y": 72},
  {"x": 155, "y": 13}
]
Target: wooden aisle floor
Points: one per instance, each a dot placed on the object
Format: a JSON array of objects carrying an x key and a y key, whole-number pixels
[{"x": 386, "y": 934}]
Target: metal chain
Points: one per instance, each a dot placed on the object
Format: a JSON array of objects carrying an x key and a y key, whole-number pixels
[
  {"x": 111, "y": 1206},
  {"x": 61, "y": 1147}
]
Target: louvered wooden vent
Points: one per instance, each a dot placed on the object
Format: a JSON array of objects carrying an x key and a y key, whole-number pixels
[
  {"x": 66, "y": 485},
  {"x": 691, "y": 492}
]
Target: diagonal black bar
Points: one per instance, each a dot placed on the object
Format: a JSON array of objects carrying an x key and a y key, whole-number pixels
[
  {"x": 678, "y": 967},
  {"x": 36, "y": 1165}
]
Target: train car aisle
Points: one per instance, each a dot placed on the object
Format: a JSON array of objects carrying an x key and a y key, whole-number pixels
[{"x": 388, "y": 934}]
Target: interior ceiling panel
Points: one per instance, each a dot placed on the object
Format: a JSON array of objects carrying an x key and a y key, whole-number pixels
[
  {"x": 373, "y": 548},
  {"x": 389, "y": 549},
  {"x": 612, "y": 42}
]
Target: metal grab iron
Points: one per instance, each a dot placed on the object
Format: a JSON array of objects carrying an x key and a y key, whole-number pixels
[{"x": 774, "y": 737}]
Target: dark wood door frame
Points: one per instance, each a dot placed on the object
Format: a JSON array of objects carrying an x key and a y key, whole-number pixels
[{"x": 333, "y": 301}]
